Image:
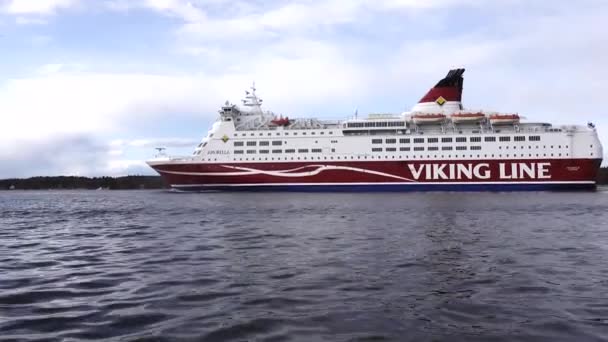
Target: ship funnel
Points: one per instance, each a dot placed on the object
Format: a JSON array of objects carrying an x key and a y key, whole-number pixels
[{"x": 445, "y": 97}]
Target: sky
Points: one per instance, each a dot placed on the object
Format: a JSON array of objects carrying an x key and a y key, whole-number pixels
[{"x": 90, "y": 87}]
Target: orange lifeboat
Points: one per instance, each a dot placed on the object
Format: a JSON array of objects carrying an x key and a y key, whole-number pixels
[
  {"x": 428, "y": 118},
  {"x": 281, "y": 121},
  {"x": 503, "y": 119},
  {"x": 467, "y": 117}
]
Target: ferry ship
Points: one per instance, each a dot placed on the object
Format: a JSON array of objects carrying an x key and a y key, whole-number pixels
[{"x": 438, "y": 145}]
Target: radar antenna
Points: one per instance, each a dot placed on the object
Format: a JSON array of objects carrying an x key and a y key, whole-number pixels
[{"x": 160, "y": 151}]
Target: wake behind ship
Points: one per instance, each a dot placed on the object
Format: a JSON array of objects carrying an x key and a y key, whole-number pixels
[{"x": 438, "y": 145}]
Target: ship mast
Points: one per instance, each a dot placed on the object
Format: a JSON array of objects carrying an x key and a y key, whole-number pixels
[{"x": 251, "y": 100}]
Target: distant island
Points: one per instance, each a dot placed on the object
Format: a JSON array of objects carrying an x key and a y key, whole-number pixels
[
  {"x": 91, "y": 183},
  {"x": 122, "y": 183}
]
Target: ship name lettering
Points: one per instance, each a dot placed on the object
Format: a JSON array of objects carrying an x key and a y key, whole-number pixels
[
  {"x": 218, "y": 152},
  {"x": 451, "y": 171},
  {"x": 524, "y": 170},
  {"x": 481, "y": 171}
]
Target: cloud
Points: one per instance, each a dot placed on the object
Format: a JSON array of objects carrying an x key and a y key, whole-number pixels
[
  {"x": 311, "y": 59},
  {"x": 37, "y": 7}
]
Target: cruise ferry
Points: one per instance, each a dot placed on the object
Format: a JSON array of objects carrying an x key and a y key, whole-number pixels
[{"x": 438, "y": 145}]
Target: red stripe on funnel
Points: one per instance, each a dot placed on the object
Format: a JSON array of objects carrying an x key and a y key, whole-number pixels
[{"x": 448, "y": 93}]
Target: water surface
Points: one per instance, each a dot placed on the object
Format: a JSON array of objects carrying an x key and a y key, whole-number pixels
[{"x": 154, "y": 265}]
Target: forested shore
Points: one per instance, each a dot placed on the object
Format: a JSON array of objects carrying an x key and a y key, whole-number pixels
[{"x": 91, "y": 183}]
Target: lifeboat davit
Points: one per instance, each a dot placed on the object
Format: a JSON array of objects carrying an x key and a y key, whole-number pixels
[
  {"x": 467, "y": 117},
  {"x": 428, "y": 118},
  {"x": 503, "y": 119},
  {"x": 280, "y": 121}
]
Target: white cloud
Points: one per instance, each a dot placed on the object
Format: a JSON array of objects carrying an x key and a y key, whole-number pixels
[
  {"x": 39, "y": 7},
  {"x": 29, "y": 21},
  {"x": 548, "y": 67}
]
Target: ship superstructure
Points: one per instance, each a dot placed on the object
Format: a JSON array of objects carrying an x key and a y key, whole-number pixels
[{"x": 438, "y": 145}]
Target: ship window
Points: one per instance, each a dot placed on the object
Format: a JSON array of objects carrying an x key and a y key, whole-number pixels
[
  {"x": 250, "y": 151},
  {"x": 475, "y": 139},
  {"x": 461, "y": 139},
  {"x": 277, "y": 151},
  {"x": 252, "y": 134},
  {"x": 404, "y": 141},
  {"x": 277, "y": 143},
  {"x": 251, "y": 143},
  {"x": 432, "y": 140},
  {"x": 316, "y": 150},
  {"x": 322, "y": 133},
  {"x": 303, "y": 133},
  {"x": 489, "y": 139},
  {"x": 504, "y": 139},
  {"x": 446, "y": 140},
  {"x": 330, "y": 132},
  {"x": 376, "y": 149},
  {"x": 264, "y": 143},
  {"x": 291, "y": 150},
  {"x": 534, "y": 138},
  {"x": 461, "y": 148},
  {"x": 475, "y": 148},
  {"x": 519, "y": 138},
  {"x": 433, "y": 148},
  {"x": 286, "y": 133},
  {"x": 418, "y": 141},
  {"x": 404, "y": 148},
  {"x": 391, "y": 149},
  {"x": 313, "y": 133},
  {"x": 238, "y": 143},
  {"x": 238, "y": 151},
  {"x": 303, "y": 150},
  {"x": 446, "y": 148},
  {"x": 333, "y": 150},
  {"x": 243, "y": 134},
  {"x": 264, "y": 151},
  {"x": 376, "y": 141},
  {"x": 391, "y": 141},
  {"x": 418, "y": 148}
]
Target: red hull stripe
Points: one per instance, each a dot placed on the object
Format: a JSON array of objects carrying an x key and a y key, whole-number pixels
[{"x": 571, "y": 171}]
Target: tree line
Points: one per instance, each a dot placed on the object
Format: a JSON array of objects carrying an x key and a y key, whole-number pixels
[{"x": 73, "y": 182}]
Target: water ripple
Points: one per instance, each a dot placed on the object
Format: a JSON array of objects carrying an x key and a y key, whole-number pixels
[{"x": 158, "y": 266}]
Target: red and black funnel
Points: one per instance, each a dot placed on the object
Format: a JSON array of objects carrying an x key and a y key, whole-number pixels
[{"x": 449, "y": 88}]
